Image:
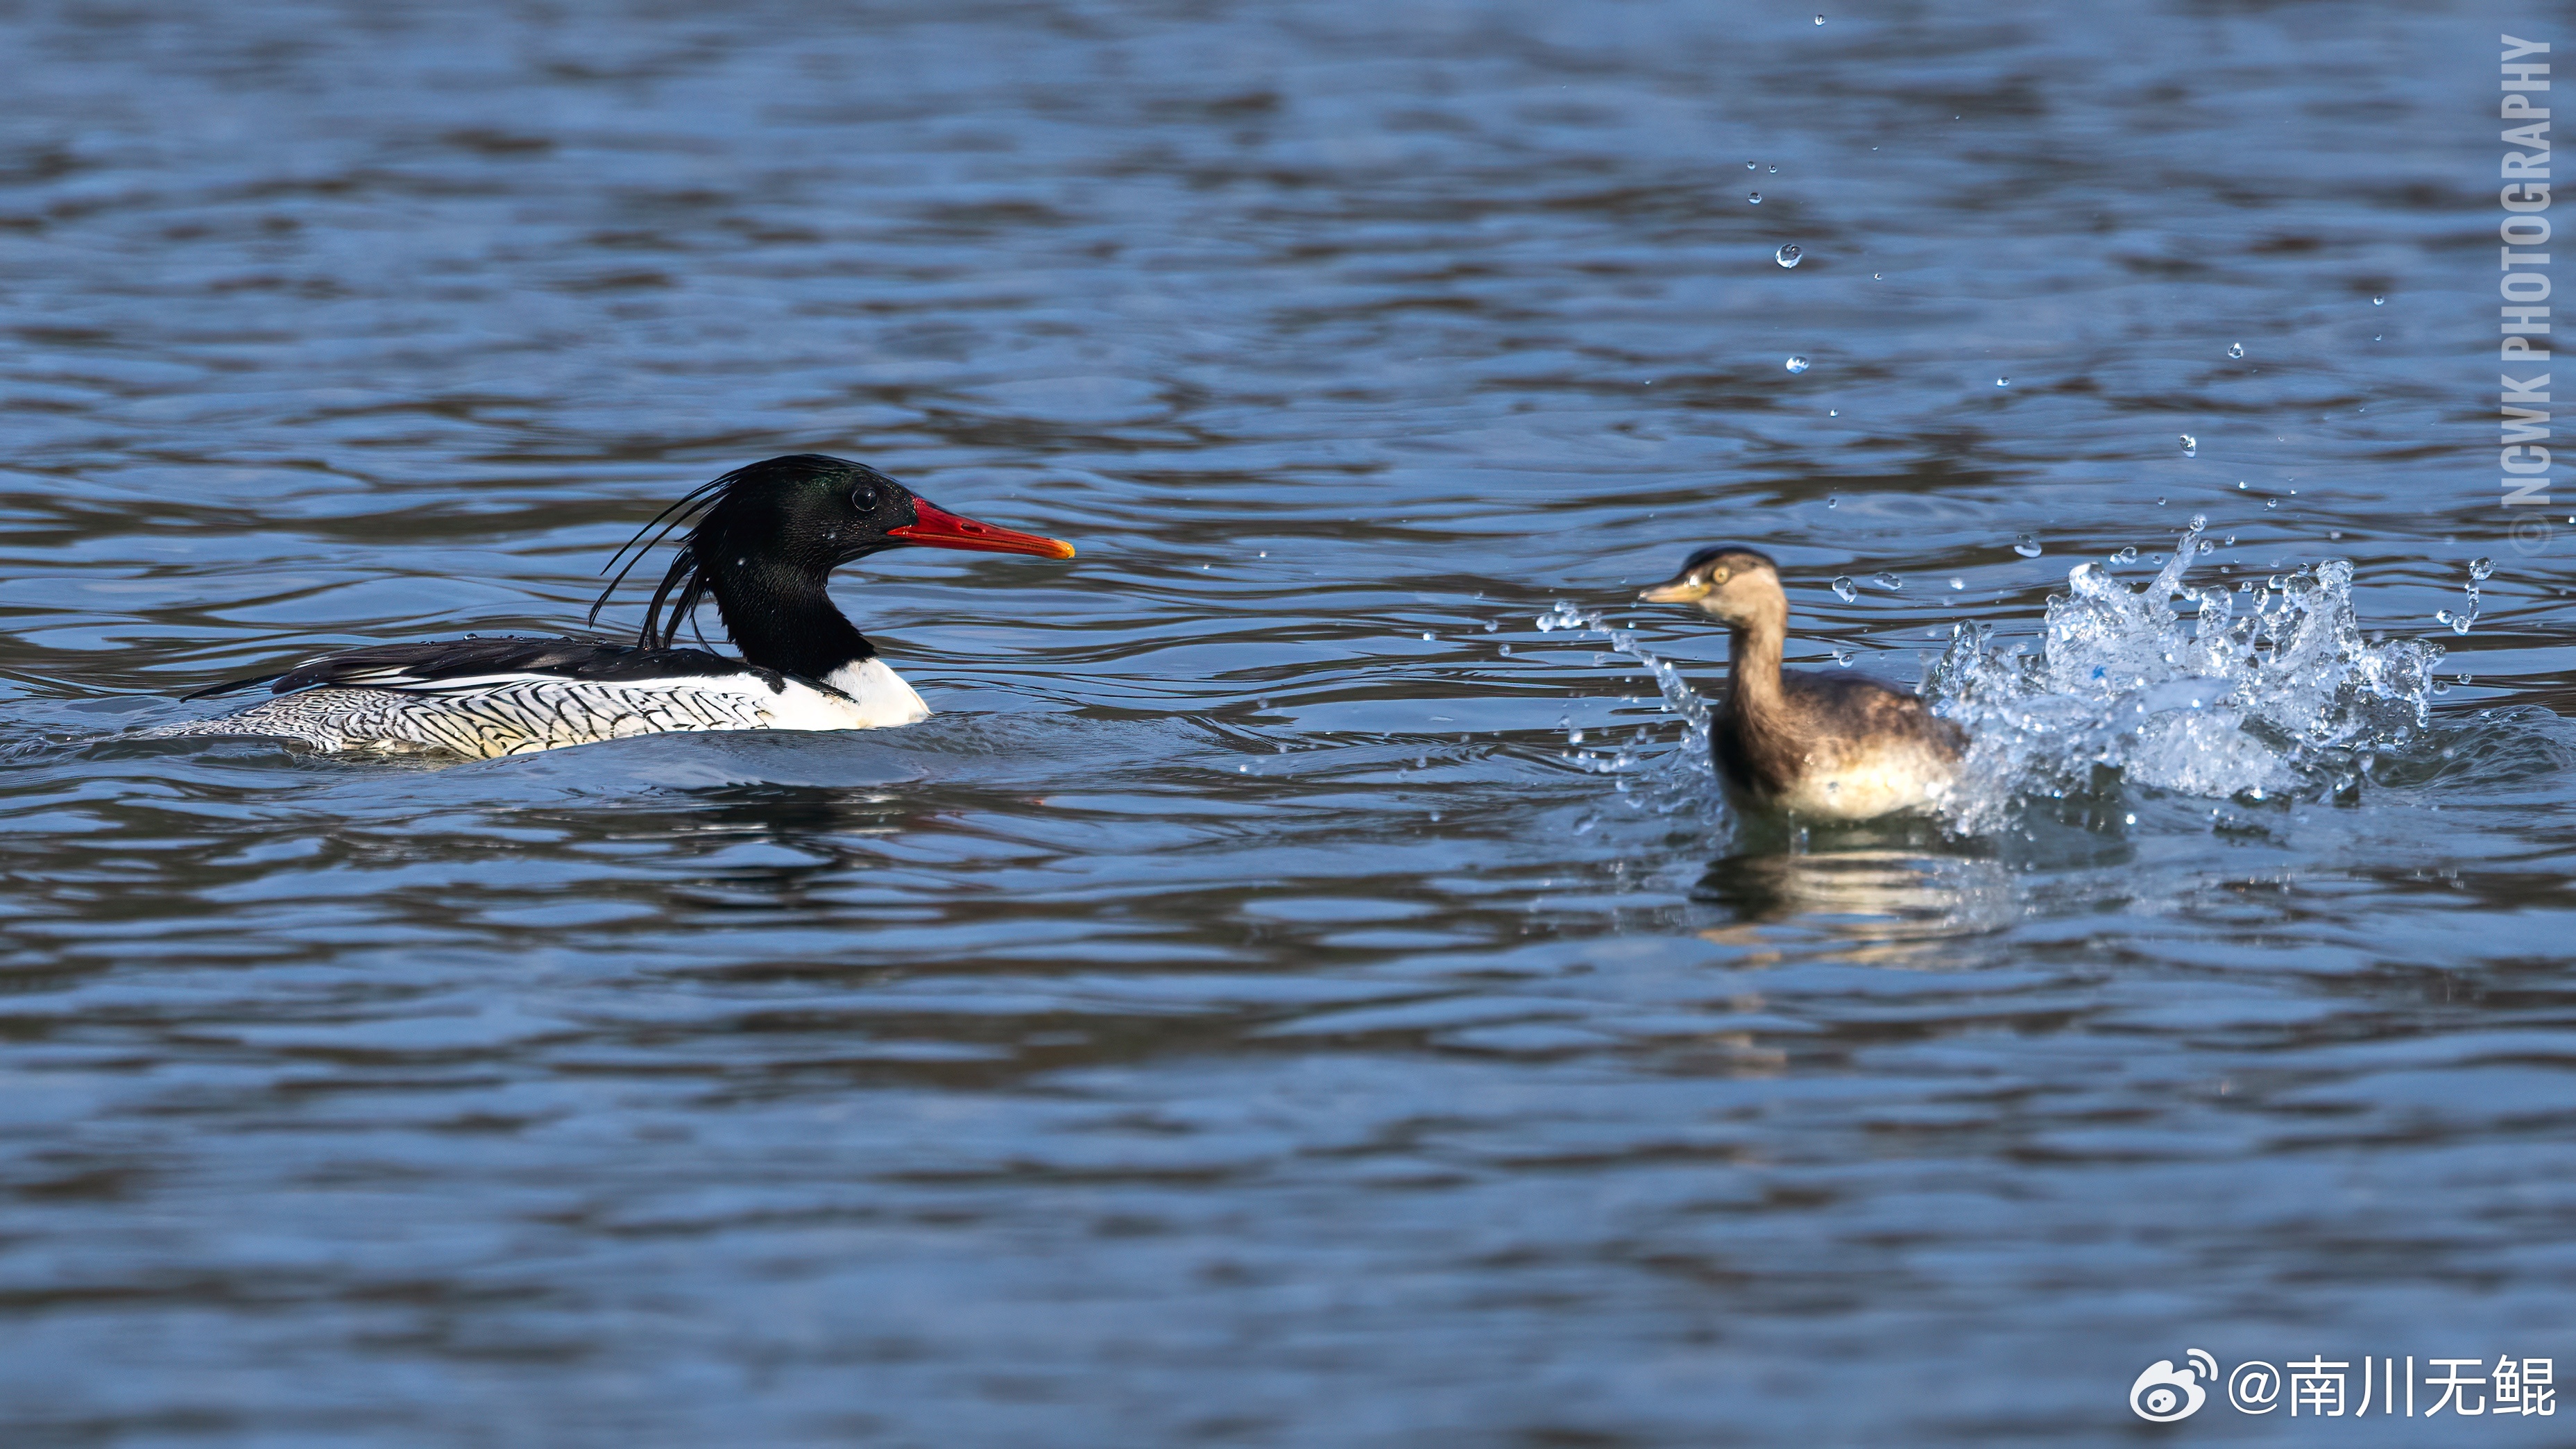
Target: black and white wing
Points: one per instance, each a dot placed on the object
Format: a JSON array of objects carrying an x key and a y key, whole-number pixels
[{"x": 452, "y": 666}]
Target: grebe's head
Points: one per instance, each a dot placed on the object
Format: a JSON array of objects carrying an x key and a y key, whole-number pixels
[{"x": 1732, "y": 584}]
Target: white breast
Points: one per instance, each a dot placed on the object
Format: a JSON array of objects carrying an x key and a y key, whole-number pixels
[{"x": 875, "y": 697}]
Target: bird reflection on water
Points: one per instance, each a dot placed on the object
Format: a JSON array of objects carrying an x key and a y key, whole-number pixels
[{"x": 1879, "y": 901}]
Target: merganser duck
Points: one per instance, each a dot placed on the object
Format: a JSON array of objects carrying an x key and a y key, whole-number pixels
[
  {"x": 1832, "y": 746},
  {"x": 763, "y": 544}
]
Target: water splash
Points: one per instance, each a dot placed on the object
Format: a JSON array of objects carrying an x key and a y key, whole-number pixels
[
  {"x": 1675, "y": 780},
  {"x": 1679, "y": 697},
  {"x": 1788, "y": 256},
  {"x": 2480, "y": 570},
  {"x": 2288, "y": 697},
  {"x": 1796, "y": 364}
]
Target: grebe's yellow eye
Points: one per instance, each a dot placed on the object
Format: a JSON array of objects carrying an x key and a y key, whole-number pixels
[{"x": 1717, "y": 576}]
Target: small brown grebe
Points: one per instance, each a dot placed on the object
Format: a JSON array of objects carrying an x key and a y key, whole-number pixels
[{"x": 1832, "y": 746}]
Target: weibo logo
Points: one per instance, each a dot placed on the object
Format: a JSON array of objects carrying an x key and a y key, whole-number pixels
[{"x": 2164, "y": 1393}]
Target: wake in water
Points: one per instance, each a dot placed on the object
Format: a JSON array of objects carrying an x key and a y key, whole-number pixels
[{"x": 2287, "y": 696}]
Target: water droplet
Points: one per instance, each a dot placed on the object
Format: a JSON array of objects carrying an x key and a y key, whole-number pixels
[
  {"x": 1832, "y": 501},
  {"x": 1755, "y": 198},
  {"x": 2027, "y": 545},
  {"x": 1426, "y": 636},
  {"x": 1843, "y": 657},
  {"x": 1846, "y": 589},
  {"x": 2240, "y": 485},
  {"x": 2160, "y": 500},
  {"x": 1887, "y": 581},
  {"x": 1507, "y": 649},
  {"x": 1788, "y": 255},
  {"x": 1775, "y": 170},
  {"x": 1574, "y": 737},
  {"x": 1833, "y": 413},
  {"x": 2199, "y": 521},
  {"x": 1958, "y": 583},
  {"x": 2003, "y": 382},
  {"x": 1820, "y": 20},
  {"x": 2190, "y": 446},
  {"x": 2207, "y": 547},
  {"x": 2378, "y": 301},
  {"x": 1752, "y": 165},
  {"x": 2128, "y": 554},
  {"x": 2271, "y": 502},
  {"x": 2334, "y": 533},
  {"x": 1796, "y": 364},
  {"x": 1491, "y": 626},
  {"x": 2481, "y": 568},
  {"x": 2443, "y": 616},
  {"x": 2236, "y": 349},
  {"x": 1877, "y": 276}
]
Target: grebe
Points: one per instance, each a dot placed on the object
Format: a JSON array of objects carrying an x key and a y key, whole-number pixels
[
  {"x": 763, "y": 544},
  {"x": 1832, "y": 746}
]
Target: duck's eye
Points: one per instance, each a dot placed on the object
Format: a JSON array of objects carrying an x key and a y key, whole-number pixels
[{"x": 864, "y": 498}]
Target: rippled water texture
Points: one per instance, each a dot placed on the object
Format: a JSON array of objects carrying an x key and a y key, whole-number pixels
[{"x": 1245, "y": 1015}]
